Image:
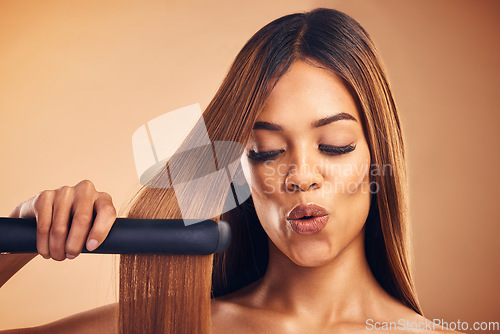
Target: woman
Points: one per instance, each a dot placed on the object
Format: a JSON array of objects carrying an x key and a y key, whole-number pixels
[{"x": 308, "y": 98}]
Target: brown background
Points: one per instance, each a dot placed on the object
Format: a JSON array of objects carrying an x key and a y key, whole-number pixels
[{"x": 78, "y": 77}]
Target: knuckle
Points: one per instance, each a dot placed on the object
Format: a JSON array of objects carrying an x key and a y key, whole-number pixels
[
  {"x": 63, "y": 188},
  {"x": 86, "y": 184},
  {"x": 43, "y": 229},
  {"x": 64, "y": 192},
  {"x": 43, "y": 199},
  {"x": 105, "y": 195},
  {"x": 82, "y": 218},
  {"x": 58, "y": 231},
  {"x": 46, "y": 195},
  {"x": 109, "y": 210}
]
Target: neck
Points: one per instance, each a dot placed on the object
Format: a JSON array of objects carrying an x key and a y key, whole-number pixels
[{"x": 343, "y": 288}]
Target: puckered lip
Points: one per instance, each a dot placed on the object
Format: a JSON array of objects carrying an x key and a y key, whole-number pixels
[{"x": 305, "y": 210}]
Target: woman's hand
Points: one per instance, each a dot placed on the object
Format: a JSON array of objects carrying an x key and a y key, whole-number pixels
[{"x": 65, "y": 219}]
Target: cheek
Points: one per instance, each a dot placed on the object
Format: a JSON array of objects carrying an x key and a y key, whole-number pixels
[
  {"x": 262, "y": 178},
  {"x": 351, "y": 194},
  {"x": 263, "y": 182},
  {"x": 254, "y": 174},
  {"x": 350, "y": 174}
]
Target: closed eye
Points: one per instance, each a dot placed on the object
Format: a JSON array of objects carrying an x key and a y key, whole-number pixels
[
  {"x": 263, "y": 156},
  {"x": 337, "y": 150},
  {"x": 327, "y": 149}
]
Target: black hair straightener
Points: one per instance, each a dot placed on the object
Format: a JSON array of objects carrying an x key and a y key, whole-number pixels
[
  {"x": 166, "y": 236},
  {"x": 131, "y": 236}
]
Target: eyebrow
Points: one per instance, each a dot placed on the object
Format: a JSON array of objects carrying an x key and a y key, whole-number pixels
[{"x": 316, "y": 124}]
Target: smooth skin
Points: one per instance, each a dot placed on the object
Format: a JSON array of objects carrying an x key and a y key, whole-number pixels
[{"x": 317, "y": 283}]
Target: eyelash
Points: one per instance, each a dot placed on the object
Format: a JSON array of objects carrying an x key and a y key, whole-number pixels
[{"x": 328, "y": 150}]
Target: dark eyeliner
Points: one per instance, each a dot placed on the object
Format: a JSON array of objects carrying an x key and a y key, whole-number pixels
[
  {"x": 327, "y": 149},
  {"x": 337, "y": 150},
  {"x": 263, "y": 155}
]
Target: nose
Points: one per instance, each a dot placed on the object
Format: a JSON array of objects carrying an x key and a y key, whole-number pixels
[{"x": 303, "y": 176}]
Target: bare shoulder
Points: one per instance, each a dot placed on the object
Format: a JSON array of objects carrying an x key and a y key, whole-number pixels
[
  {"x": 229, "y": 316},
  {"x": 103, "y": 319},
  {"x": 223, "y": 315},
  {"x": 235, "y": 313}
]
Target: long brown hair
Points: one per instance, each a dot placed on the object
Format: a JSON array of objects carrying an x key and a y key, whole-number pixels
[{"x": 172, "y": 293}]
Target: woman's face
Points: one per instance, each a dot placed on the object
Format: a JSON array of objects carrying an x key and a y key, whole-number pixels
[{"x": 308, "y": 146}]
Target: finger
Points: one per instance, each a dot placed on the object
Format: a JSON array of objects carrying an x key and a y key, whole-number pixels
[
  {"x": 63, "y": 203},
  {"x": 105, "y": 217},
  {"x": 83, "y": 207},
  {"x": 27, "y": 209},
  {"x": 43, "y": 208}
]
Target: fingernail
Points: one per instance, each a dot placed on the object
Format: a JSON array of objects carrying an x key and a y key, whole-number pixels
[
  {"x": 69, "y": 256},
  {"x": 92, "y": 244}
]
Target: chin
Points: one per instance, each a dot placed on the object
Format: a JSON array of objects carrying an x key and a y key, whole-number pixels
[{"x": 311, "y": 254}]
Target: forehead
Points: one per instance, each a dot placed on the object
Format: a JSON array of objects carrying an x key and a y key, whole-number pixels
[{"x": 306, "y": 93}]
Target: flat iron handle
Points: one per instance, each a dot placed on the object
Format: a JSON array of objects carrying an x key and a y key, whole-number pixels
[{"x": 131, "y": 236}]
